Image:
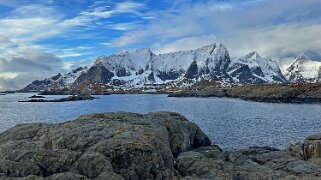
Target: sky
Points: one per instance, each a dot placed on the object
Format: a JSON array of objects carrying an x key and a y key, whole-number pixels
[{"x": 40, "y": 38}]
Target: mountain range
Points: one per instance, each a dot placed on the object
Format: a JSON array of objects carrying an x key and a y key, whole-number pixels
[{"x": 136, "y": 69}]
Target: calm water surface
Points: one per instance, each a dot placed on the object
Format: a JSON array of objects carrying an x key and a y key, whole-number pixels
[{"x": 230, "y": 123}]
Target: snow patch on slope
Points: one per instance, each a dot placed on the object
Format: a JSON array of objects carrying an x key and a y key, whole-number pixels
[{"x": 303, "y": 69}]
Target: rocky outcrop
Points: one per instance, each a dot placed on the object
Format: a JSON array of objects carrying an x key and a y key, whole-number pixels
[
  {"x": 312, "y": 147},
  {"x": 255, "y": 69},
  {"x": 159, "y": 145},
  {"x": 192, "y": 71},
  {"x": 271, "y": 93},
  {"x": 58, "y": 81},
  {"x": 100, "y": 146},
  {"x": 253, "y": 163},
  {"x": 96, "y": 73},
  {"x": 303, "y": 69}
]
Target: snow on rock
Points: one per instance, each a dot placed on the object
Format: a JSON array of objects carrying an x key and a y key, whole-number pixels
[
  {"x": 142, "y": 67},
  {"x": 58, "y": 81},
  {"x": 253, "y": 68},
  {"x": 303, "y": 69}
]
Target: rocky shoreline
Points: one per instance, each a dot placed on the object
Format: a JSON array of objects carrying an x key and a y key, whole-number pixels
[
  {"x": 271, "y": 93},
  {"x": 159, "y": 145}
]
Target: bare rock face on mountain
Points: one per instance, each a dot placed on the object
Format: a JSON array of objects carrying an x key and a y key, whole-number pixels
[
  {"x": 253, "y": 68},
  {"x": 99, "y": 146},
  {"x": 97, "y": 73},
  {"x": 58, "y": 81},
  {"x": 192, "y": 71}
]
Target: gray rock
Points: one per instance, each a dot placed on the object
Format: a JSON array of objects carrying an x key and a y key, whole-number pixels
[
  {"x": 112, "y": 146},
  {"x": 304, "y": 168},
  {"x": 252, "y": 163},
  {"x": 96, "y": 163},
  {"x": 312, "y": 147},
  {"x": 296, "y": 150},
  {"x": 192, "y": 163},
  {"x": 109, "y": 176},
  {"x": 66, "y": 176},
  {"x": 97, "y": 73},
  {"x": 160, "y": 145},
  {"x": 19, "y": 169}
]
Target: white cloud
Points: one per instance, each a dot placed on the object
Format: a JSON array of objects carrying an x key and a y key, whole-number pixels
[
  {"x": 80, "y": 63},
  {"x": 28, "y": 29},
  {"x": 68, "y": 54},
  {"x": 8, "y": 75},
  {"x": 5, "y": 42},
  {"x": 276, "y": 41},
  {"x": 129, "y": 7},
  {"x": 26, "y": 64},
  {"x": 30, "y": 22},
  {"x": 189, "y": 20},
  {"x": 123, "y": 26},
  {"x": 186, "y": 44}
]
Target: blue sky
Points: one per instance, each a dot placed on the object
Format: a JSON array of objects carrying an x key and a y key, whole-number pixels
[{"x": 39, "y": 38}]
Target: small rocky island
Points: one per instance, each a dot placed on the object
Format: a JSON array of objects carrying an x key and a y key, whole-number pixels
[
  {"x": 159, "y": 145},
  {"x": 36, "y": 97},
  {"x": 70, "y": 98}
]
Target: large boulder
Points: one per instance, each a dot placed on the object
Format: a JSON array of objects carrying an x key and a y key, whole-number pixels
[
  {"x": 100, "y": 146},
  {"x": 253, "y": 163}
]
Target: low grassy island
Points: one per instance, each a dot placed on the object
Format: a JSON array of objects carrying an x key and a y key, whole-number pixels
[
  {"x": 159, "y": 145},
  {"x": 273, "y": 93}
]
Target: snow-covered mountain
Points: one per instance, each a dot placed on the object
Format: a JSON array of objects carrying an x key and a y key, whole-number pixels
[
  {"x": 253, "y": 68},
  {"x": 58, "y": 81},
  {"x": 303, "y": 69},
  {"x": 142, "y": 68}
]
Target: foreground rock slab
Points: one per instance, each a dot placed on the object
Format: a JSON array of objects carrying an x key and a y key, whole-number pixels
[
  {"x": 100, "y": 146},
  {"x": 159, "y": 145}
]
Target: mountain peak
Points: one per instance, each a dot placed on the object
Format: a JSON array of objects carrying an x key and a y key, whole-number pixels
[
  {"x": 210, "y": 47},
  {"x": 252, "y": 56},
  {"x": 302, "y": 56},
  {"x": 221, "y": 50}
]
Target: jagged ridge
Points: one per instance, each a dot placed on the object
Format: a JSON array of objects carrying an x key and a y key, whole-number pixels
[
  {"x": 58, "y": 81},
  {"x": 142, "y": 67}
]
